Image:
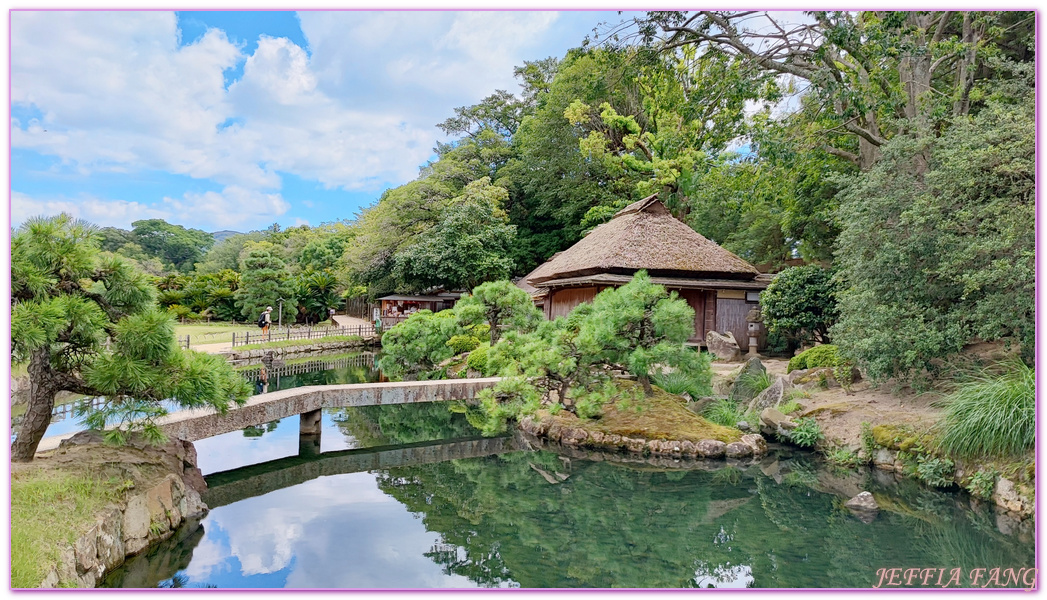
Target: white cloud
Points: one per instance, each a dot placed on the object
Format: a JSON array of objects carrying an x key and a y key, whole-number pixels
[
  {"x": 116, "y": 213},
  {"x": 116, "y": 93},
  {"x": 232, "y": 208}
]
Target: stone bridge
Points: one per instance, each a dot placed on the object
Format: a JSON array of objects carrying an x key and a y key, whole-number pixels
[
  {"x": 197, "y": 424},
  {"x": 231, "y": 486}
]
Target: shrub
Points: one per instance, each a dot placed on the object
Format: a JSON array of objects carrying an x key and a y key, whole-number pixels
[
  {"x": 478, "y": 358},
  {"x": 678, "y": 382},
  {"x": 843, "y": 457},
  {"x": 800, "y": 303},
  {"x": 807, "y": 433},
  {"x": 749, "y": 385},
  {"x": 182, "y": 312},
  {"x": 868, "y": 440},
  {"x": 825, "y": 355},
  {"x": 983, "y": 483},
  {"x": 789, "y": 407},
  {"x": 462, "y": 343},
  {"x": 991, "y": 414},
  {"x": 727, "y": 413},
  {"x": 934, "y": 470}
]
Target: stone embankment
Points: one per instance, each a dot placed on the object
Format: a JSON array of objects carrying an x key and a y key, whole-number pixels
[
  {"x": 163, "y": 490},
  {"x": 892, "y": 440},
  {"x": 256, "y": 354},
  {"x": 749, "y": 446}
]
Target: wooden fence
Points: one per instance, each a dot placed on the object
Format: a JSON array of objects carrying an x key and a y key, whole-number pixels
[
  {"x": 297, "y": 333},
  {"x": 360, "y": 360}
]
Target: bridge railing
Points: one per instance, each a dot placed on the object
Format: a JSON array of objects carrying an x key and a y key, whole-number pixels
[{"x": 310, "y": 333}]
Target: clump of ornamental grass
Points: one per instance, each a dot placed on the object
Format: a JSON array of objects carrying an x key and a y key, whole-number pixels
[{"x": 990, "y": 413}]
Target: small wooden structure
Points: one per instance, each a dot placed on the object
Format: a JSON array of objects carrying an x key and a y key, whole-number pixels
[
  {"x": 720, "y": 287},
  {"x": 397, "y": 307}
]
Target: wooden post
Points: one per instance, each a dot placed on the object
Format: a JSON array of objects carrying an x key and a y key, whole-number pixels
[{"x": 234, "y": 340}]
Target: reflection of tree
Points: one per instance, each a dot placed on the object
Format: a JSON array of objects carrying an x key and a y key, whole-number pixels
[
  {"x": 608, "y": 526},
  {"x": 403, "y": 423},
  {"x": 252, "y": 431}
]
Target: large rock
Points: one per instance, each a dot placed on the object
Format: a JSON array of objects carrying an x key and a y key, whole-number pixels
[
  {"x": 863, "y": 501},
  {"x": 724, "y": 346},
  {"x": 1007, "y": 496},
  {"x": 756, "y": 442},
  {"x": 727, "y": 385},
  {"x": 863, "y": 506},
  {"x": 738, "y": 450},
  {"x": 770, "y": 397},
  {"x": 711, "y": 448},
  {"x": 772, "y": 421}
]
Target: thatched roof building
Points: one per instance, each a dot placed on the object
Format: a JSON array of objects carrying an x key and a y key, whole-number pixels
[{"x": 719, "y": 285}]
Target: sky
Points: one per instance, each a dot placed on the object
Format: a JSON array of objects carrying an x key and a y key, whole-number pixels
[{"x": 222, "y": 120}]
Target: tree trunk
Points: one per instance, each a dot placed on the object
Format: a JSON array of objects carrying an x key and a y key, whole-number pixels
[
  {"x": 645, "y": 381},
  {"x": 42, "y": 390}
]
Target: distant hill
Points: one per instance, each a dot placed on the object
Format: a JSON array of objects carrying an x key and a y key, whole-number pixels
[{"x": 221, "y": 235}]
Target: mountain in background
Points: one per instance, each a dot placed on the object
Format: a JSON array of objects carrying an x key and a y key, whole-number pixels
[{"x": 225, "y": 233}]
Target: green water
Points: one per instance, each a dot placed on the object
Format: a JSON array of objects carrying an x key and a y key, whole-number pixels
[{"x": 525, "y": 518}]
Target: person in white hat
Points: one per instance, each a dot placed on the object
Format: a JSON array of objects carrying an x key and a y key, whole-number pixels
[{"x": 267, "y": 318}]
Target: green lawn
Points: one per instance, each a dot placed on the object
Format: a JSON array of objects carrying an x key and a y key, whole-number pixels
[
  {"x": 50, "y": 508},
  {"x": 212, "y": 333}
]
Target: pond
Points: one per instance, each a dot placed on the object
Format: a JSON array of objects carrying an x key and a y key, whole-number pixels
[{"x": 407, "y": 497}]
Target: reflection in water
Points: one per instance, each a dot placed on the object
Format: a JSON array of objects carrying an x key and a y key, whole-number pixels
[{"x": 538, "y": 519}]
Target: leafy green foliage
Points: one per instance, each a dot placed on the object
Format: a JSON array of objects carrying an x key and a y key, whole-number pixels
[
  {"x": 477, "y": 360},
  {"x": 414, "y": 347},
  {"x": 497, "y": 305},
  {"x": 317, "y": 292},
  {"x": 844, "y": 457},
  {"x": 264, "y": 280},
  {"x": 934, "y": 262},
  {"x": 728, "y": 413},
  {"x": 983, "y": 483},
  {"x": 696, "y": 384},
  {"x": 466, "y": 247},
  {"x": 800, "y": 303},
  {"x": 172, "y": 243},
  {"x": 826, "y": 355},
  {"x": 750, "y": 384},
  {"x": 934, "y": 470},
  {"x": 462, "y": 343},
  {"x": 68, "y": 302},
  {"x": 991, "y": 414},
  {"x": 806, "y": 434}
]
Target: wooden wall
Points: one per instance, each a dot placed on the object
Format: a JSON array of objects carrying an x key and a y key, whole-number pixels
[
  {"x": 730, "y": 316},
  {"x": 704, "y": 304},
  {"x": 560, "y": 302}
]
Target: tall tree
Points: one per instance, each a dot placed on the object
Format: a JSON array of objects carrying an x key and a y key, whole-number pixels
[
  {"x": 872, "y": 74},
  {"x": 88, "y": 324},
  {"x": 934, "y": 262},
  {"x": 263, "y": 280},
  {"x": 173, "y": 243},
  {"x": 465, "y": 248}
]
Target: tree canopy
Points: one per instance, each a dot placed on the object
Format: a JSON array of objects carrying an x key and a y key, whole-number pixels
[{"x": 89, "y": 325}]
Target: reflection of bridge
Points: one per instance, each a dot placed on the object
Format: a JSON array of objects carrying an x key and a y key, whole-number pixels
[
  {"x": 358, "y": 360},
  {"x": 227, "y": 487},
  {"x": 200, "y": 423}
]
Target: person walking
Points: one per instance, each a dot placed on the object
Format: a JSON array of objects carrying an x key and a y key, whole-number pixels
[{"x": 267, "y": 318}]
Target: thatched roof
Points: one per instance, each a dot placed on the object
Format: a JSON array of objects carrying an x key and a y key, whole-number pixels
[{"x": 644, "y": 235}]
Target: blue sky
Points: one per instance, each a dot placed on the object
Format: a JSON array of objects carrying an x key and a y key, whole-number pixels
[{"x": 239, "y": 119}]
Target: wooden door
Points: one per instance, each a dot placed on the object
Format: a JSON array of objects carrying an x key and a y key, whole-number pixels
[{"x": 730, "y": 316}]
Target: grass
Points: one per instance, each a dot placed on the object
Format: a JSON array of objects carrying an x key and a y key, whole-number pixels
[
  {"x": 662, "y": 416},
  {"x": 751, "y": 384},
  {"x": 728, "y": 413},
  {"x": 212, "y": 333},
  {"x": 289, "y": 343},
  {"x": 677, "y": 383},
  {"x": 49, "y": 510},
  {"x": 991, "y": 414}
]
